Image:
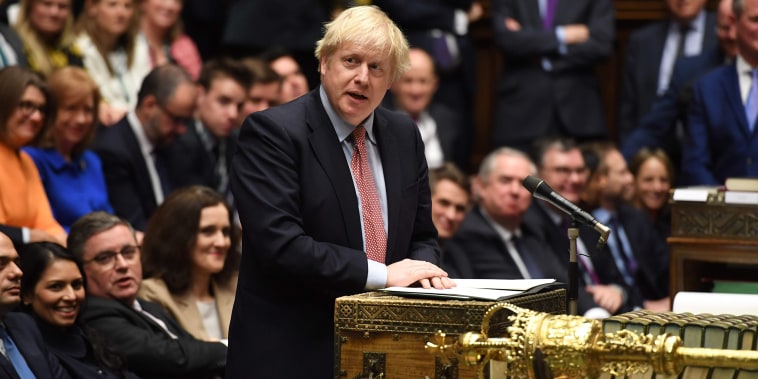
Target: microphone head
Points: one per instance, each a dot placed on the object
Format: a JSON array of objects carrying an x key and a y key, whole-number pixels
[{"x": 531, "y": 183}]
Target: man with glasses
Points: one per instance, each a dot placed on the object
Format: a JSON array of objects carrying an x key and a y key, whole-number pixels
[
  {"x": 153, "y": 344},
  {"x": 561, "y": 165},
  {"x": 134, "y": 150}
]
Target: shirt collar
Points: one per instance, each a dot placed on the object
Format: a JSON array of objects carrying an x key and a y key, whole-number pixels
[
  {"x": 145, "y": 145},
  {"x": 602, "y": 215},
  {"x": 342, "y": 127}
]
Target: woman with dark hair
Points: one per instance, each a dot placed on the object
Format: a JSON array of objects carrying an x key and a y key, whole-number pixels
[
  {"x": 53, "y": 292},
  {"x": 191, "y": 257},
  {"x": 72, "y": 175},
  {"x": 25, "y": 110}
]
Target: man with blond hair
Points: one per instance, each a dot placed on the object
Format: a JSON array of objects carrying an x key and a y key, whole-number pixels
[{"x": 333, "y": 197}]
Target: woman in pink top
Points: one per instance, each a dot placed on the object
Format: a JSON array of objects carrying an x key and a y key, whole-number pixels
[
  {"x": 162, "y": 28},
  {"x": 25, "y": 110}
]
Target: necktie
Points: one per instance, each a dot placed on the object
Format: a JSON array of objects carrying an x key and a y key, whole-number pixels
[
  {"x": 13, "y": 355},
  {"x": 373, "y": 224},
  {"x": 531, "y": 264},
  {"x": 160, "y": 168},
  {"x": 751, "y": 105},
  {"x": 628, "y": 264},
  {"x": 441, "y": 52},
  {"x": 549, "y": 17},
  {"x": 683, "y": 30}
]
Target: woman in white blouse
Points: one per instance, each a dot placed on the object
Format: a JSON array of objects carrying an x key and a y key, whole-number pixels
[{"x": 113, "y": 54}]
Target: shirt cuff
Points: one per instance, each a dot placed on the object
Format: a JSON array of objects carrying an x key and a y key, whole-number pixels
[
  {"x": 561, "y": 36},
  {"x": 460, "y": 22},
  {"x": 377, "y": 275},
  {"x": 25, "y": 235}
]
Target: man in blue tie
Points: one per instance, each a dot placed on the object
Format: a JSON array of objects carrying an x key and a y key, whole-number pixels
[
  {"x": 23, "y": 353},
  {"x": 721, "y": 141},
  {"x": 633, "y": 258}
]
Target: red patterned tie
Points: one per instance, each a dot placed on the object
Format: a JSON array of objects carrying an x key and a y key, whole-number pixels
[{"x": 373, "y": 224}]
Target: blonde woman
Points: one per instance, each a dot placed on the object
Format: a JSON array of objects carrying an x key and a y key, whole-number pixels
[
  {"x": 47, "y": 29},
  {"x": 162, "y": 28},
  {"x": 115, "y": 56}
]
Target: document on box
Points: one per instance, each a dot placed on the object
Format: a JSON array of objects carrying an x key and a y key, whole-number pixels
[{"x": 480, "y": 289}]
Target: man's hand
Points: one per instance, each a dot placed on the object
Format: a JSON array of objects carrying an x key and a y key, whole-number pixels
[
  {"x": 608, "y": 297},
  {"x": 660, "y": 305},
  {"x": 576, "y": 33},
  {"x": 409, "y": 271},
  {"x": 512, "y": 25},
  {"x": 475, "y": 12}
]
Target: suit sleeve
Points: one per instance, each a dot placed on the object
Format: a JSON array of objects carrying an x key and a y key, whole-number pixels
[
  {"x": 697, "y": 162},
  {"x": 423, "y": 14},
  {"x": 534, "y": 42},
  {"x": 148, "y": 351}
]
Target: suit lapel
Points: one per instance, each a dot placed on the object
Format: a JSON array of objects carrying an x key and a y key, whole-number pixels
[
  {"x": 731, "y": 89},
  {"x": 326, "y": 148},
  {"x": 224, "y": 303},
  {"x": 139, "y": 164},
  {"x": 6, "y": 368},
  {"x": 533, "y": 13},
  {"x": 393, "y": 186}
]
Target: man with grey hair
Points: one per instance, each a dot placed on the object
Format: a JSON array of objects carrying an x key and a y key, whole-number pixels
[
  {"x": 151, "y": 341},
  {"x": 133, "y": 150},
  {"x": 493, "y": 236},
  {"x": 333, "y": 196}
]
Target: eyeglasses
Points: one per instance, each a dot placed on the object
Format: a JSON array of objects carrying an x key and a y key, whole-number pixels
[
  {"x": 567, "y": 171},
  {"x": 175, "y": 119},
  {"x": 28, "y": 108},
  {"x": 107, "y": 259}
]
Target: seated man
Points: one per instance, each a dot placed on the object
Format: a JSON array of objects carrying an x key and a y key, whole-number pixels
[
  {"x": 24, "y": 354},
  {"x": 451, "y": 196},
  {"x": 154, "y": 344}
]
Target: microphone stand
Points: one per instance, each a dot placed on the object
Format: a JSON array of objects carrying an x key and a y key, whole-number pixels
[{"x": 573, "y": 273}]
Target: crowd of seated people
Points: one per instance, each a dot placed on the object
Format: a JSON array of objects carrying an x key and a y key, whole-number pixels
[{"x": 109, "y": 111}]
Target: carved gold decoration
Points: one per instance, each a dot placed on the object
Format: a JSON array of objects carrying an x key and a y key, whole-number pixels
[{"x": 542, "y": 345}]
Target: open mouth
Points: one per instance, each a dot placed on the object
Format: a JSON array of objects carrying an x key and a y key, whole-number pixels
[{"x": 357, "y": 96}]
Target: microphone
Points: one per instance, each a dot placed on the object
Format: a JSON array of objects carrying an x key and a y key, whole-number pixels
[{"x": 541, "y": 190}]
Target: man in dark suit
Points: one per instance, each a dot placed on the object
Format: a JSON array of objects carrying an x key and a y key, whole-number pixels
[
  {"x": 133, "y": 150},
  {"x": 451, "y": 199},
  {"x": 23, "y": 351},
  {"x": 333, "y": 196},
  {"x": 441, "y": 28},
  {"x": 721, "y": 141},
  {"x": 439, "y": 125},
  {"x": 153, "y": 343},
  {"x": 548, "y": 85},
  {"x": 652, "y": 53},
  {"x": 633, "y": 257},
  {"x": 561, "y": 165},
  {"x": 203, "y": 154},
  {"x": 658, "y": 127}
]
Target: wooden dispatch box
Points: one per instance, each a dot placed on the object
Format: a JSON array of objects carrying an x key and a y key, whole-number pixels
[{"x": 383, "y": 336}]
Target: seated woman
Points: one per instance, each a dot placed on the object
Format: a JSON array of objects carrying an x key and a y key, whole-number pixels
[
  {"x": 653, "y": 176},
  {"x": 114, "y": 55},
  {"x": 72, "y": 175},
  {"x": 47, "y": 29},
  {"x": 25, "y": 110},
  {"x": 162, "y": 28},
  {"x": 191, "y": 257},
  {"x": 53, "y": 292}
]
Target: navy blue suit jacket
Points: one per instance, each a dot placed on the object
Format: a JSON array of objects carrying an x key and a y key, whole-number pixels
[
  {"x": 651, "y": 281},
  {"x": 642, "y": 67},
  {"x": 302, "y": 240},
  {"x": 130, "y": 190},
  {"x": 719, "y": 143},
  {"x": 26, "y": 336},
  {"x": 657, "y": 129},
  {"x": 532, "y": 102}
]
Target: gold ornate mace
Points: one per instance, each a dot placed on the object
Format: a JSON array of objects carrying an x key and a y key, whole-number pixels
[{"x": 541, "y": 345}]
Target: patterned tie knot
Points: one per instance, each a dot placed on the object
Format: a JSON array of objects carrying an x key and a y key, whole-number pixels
[{"x": 359, "y": 135}]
